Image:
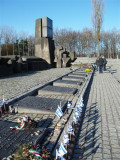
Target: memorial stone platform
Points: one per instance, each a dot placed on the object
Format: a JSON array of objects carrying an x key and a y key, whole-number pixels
[
  {"x": 33, "y": 104},
  {"x": 77, "y": 74},
  {"x": 72, "y": 78},
  {"x": 67, "y": 83},
  {"x": 56, "y": 90}
]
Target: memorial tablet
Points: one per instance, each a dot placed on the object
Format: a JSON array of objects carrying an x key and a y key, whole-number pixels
[
  {"x": 32, "y": 104},
  {"x": 67, "y": 83},
  {"x": 55, "y": 90},
  {"x": 72, "y": 78}
]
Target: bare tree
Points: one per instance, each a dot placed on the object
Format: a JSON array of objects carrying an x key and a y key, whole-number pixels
[
  {"x": 31, "y": 43},
  {"x": 22, "y": 37},
  {"x": 97, "y": 20},
  {"x": 1, "y": 36},
  {"x": 6, "y": 37},
  {"x": 13, "y": 39},
  {"x": 87, "y": 39}
]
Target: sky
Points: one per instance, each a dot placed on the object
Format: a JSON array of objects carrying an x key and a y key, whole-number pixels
[{"x": 69, "y": 14}]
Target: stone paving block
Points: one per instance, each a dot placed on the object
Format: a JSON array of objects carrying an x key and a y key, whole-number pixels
[
  {"x": 32, "y": 104},
  {"x": 55, "y": 90},
  {"x": 67, "y": 83}
]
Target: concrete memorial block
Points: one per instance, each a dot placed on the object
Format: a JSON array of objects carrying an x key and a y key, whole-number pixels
[
  {"x": 55, "y": 90},
  {"x": 65, "y": 61},
  {"x": 45, "y": 49},
  {"x": 32, "y": 104},
  {"x": 59, "y": 63},
  {"x": 67, "y": 83},
  {"x": 71, "y": 78},
  {"x": 38, "y": 30},
  {"x": 72, "y": 56},
  {"x": 62, "y": 58},
  {"x": 44, "y": 45},
  {"x": 47, "y": 27}
]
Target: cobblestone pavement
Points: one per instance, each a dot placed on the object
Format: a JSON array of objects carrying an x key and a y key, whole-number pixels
[
  {"x": 99, "y": 138},
  {"x": 15, "y": 85}
]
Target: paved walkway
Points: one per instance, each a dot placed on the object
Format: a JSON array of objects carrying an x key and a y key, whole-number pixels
[{"x": 100, "y": 134}]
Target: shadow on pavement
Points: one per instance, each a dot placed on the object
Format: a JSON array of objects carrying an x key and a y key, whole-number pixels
[{"x": 87, "y": 142}]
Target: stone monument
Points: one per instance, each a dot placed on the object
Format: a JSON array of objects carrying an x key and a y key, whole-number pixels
[
  {"x": 62, "y": 57},
  {"x": 44, "y": 43}
]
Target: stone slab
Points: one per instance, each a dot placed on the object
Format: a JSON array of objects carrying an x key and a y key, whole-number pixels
[
  {"x": 11, "y": 139},
  {"x": 55, "y": 90},
  {"x": 72, "y": 78},
  {"x": 77, "y": 75},
  {"x": 32, "y": 104},
  {"x": 67, "y": 83}
]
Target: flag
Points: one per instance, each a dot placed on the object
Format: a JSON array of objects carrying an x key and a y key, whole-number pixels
[
  {"x": 75, "y": 119},
  {"x": 22, "y": 124},
  {"x": 62, "y": 151},
  {"x": 70, "y": 130},
  {"x": 59, "y": 112},
  {"x": 59, "y": 156},
  {"x": 81, "y": 99},
  {"x": 35, "y": 152},
  {"x": 0, "y": 103},
  {"x": 4, "y": 101},
  {"x": 69, "y": 105},
  {"x": 66, "y": 139},
  {"x": 77, "y": 113},
  {"x": 79, "y": 107},
  {"x": 81, "y": 104}
]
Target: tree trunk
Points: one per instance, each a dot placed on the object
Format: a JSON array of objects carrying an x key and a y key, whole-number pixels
[
  {"x": 0, "y": 48},
  {"x": 98, "y": 50},
  {"x": 6, "y": 49},
  {"x": 13, "y": 48}
]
